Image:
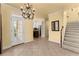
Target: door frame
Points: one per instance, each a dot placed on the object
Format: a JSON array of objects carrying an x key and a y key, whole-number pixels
[
  {"x": 21, "y": 19},
  {"x": 0, "y": 31}
]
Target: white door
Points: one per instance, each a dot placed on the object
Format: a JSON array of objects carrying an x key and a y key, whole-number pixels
[
  {"x": 20, "y": 31},
  {"x": 16, "y": 30}
]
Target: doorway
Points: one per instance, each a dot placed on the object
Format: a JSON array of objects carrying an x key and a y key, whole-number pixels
[
  {"x": 16, "y": 30},
  {"x": 38, "y": 28}
]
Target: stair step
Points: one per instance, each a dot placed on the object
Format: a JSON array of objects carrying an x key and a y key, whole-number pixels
[
  {"x": 74, "y": 40},
  {"x": 71, "y": 44},
  {"x": 73, "y": 23},
  {"x": 72, "y": 30},
  {"x": 77, "y": 28},
  {"x": 71, "y": 48},
  {"x": 71, "y": 35},
  {"x": 71, "y": 38}
]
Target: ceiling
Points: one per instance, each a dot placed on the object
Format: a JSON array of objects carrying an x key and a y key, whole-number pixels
[{"x": 43, "y": 9}]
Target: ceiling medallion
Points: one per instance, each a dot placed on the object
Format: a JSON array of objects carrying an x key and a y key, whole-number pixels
[{"x": 27, "y": 11}]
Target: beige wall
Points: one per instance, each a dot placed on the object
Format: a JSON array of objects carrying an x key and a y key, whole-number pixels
[
  {"x": 62, "y": 17},
  {"x": 73, "y": 17},
  {"x": 73, "y": 14},
  {"x": 7, "y": 11},
  {"x": 28, "y": 30},
  {"x": 55, "y": 35},
  {"x": 64, "y": 23},
  {"x": 6, "y": 15}
]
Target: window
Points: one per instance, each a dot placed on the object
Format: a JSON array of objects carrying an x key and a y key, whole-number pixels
[{"x": 55, "y": 25}]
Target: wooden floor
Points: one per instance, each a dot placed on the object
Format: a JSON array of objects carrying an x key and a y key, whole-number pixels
[{"x": 38, "y": 47}]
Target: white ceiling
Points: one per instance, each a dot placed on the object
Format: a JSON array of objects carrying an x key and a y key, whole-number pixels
[{"x": 42, "y": 9}]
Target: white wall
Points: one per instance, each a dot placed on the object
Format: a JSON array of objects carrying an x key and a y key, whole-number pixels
[
  {"x": 37, "y": 23},
  {"x": 43, "y": 29}
]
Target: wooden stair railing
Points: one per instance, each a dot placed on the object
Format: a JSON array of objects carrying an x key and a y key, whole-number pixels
[{"x": 61, "y": 36}]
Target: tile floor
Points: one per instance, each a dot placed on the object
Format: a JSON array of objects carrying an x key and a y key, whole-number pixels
[{"x": 38, "y": 47}]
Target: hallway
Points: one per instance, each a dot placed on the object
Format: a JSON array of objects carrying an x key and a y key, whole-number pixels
[{"x": 38, "y": 47}]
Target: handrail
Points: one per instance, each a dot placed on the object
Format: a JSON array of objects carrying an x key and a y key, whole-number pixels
[{"x": 61, "y": 36}]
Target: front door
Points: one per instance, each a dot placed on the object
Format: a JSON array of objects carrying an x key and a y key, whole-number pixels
[{"x": 17, "y": 30}]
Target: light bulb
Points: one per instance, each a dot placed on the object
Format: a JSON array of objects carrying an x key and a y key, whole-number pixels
[
  {"x": 23, "y": 11},
  {"x": 21, "y": 8},
  {"x": 27, "y": 4},
  {"x": 33, "y": 9},
  {"x": 25, "y": 16},
  {"x": 29, "y": 12}
]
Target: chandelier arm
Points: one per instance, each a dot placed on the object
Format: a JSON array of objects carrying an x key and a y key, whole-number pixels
[{"x": 28, "y": 11}]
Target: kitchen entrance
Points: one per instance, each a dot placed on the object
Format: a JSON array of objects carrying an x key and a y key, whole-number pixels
[{"x": 38, "y": 28}]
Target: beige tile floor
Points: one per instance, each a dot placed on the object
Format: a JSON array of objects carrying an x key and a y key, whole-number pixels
[{"x": 38, "y": 47}]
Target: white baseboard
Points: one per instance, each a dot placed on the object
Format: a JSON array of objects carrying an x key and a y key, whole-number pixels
[
  {"x": 7, "y": 47},
  {"x": 28, "y": 41}
]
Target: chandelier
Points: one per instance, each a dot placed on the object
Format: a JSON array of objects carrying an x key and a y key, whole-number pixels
[{"x": 27, "y": 11}]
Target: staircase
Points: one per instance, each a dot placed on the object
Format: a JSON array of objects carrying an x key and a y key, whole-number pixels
[{"x": 71, "y": 39}]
